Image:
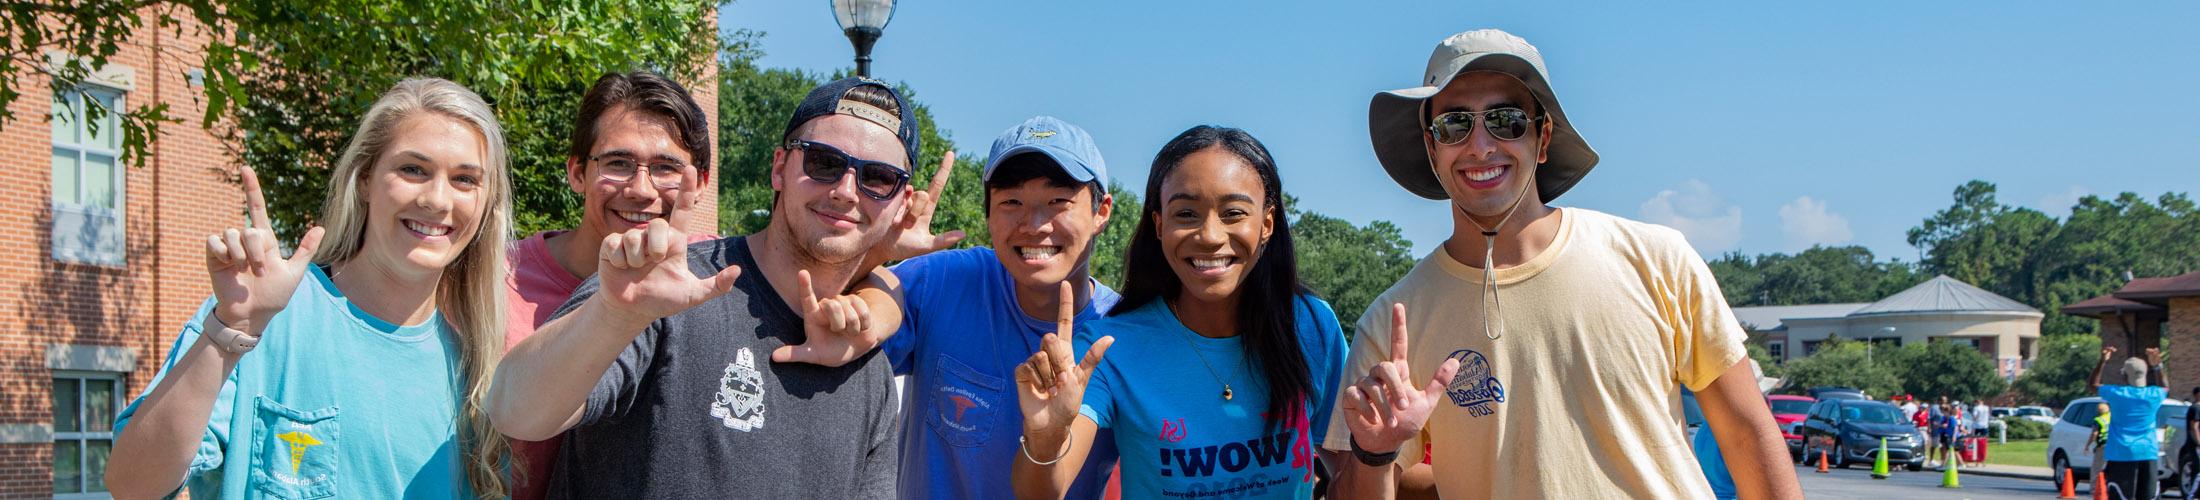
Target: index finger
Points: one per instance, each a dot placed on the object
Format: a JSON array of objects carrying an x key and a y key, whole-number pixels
[
  {"x": 255, "y": 203},
  {"x": 809, "y": 290},
  {"x": 1067, "y": 312},
  {"x": 1398, "y": 332},
  {"x": 939, "y": 177}
]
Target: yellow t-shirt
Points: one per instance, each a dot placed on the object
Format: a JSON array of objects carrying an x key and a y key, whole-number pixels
[{"x": 1580, "y": 396}]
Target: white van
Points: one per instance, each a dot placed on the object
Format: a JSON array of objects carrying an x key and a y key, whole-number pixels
[{"x": 2066, "y": 444}]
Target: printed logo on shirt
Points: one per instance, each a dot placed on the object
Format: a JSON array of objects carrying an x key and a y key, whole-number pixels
[
  {"x": 1237, "y": 469},
  {"x": 740, "y": 402},
  {"x": 299, "y": 441},
  {"x": 1475, "y": 387},
  {"x": 961, "y": 409},
  {"x": 1172, "y": 431}
]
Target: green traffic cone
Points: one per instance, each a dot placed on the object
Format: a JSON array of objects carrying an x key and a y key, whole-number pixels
[
  {"x": 1948, "y": 478},
  {"x": 1879, "y": 466}
]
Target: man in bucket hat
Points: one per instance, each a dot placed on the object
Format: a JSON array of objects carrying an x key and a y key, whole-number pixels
[{"x": 1536, "y": 354}]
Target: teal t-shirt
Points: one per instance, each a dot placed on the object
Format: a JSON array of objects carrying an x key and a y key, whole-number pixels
[
  {"x": 332, "y": 402},
  {"x": 1177, "y": 437},
  {"x": 2131, "y": 424}
]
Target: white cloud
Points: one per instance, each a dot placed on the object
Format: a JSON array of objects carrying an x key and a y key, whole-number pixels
[
  {"x": 1806, "y": 222},
  {"x": 1711, "y": 224},
  {"x": 2059, "y": 204}
]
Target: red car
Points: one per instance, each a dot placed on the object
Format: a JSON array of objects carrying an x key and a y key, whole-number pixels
[{"x": 1789, "y": 412}]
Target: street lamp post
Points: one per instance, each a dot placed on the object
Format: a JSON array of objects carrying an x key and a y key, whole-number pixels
[{"x": 863, "y": 21}]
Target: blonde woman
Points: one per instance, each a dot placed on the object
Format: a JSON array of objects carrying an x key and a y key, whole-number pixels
[{"x": 355, "y": 367}]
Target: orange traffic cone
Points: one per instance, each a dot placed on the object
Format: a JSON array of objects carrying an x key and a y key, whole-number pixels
[
  {"x": 2100, "y": 490},
  {"x": 1822, "y": 461},
  {"x": 2068, "y": 491}
]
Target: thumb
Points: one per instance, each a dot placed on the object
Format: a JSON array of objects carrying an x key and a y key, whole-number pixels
[
  {"x": 722, "y": 282},
  {"x": 944, "y": 241},
  {"x": 1443, "y": 378},
  {"x": 307, "y": 246}
]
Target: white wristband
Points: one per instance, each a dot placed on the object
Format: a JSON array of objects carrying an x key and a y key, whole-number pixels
[{"x": 229, "y": 340}]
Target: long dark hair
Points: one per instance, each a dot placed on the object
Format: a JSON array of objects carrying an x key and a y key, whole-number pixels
[{"x": 1267, "y": 322}]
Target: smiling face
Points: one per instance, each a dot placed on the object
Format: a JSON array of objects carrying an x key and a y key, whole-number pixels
[
  {"x": 424, "y": 195},
  {"x": 1484, "y": 174},
  {"x": 832, "y": 222},
  {"x": 641, "y": 139},
  {"x": 1043, "y": 233},
  {"x": 1213, "y": 222}
]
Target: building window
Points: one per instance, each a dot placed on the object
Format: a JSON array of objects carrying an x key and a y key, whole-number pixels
[
  {"x": 84, "y": 405},
  {"x": 1810, "y": 347},
  {"x": 88, "y": 177},
  {"x": 1778, "y": 350}
]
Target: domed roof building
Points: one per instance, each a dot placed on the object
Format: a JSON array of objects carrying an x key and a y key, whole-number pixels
[{"x": 1941, "y": 309}]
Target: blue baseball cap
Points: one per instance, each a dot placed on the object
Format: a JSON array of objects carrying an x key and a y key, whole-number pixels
[{"x": 1069, "y": 146}]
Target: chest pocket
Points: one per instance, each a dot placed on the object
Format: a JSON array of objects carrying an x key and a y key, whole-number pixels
[
  {"x": 294, "y": 452},
  {"x": 965, "y": 403}
]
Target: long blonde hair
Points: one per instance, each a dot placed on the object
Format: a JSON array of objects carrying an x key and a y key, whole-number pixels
[{"x": 472, "y": 292}]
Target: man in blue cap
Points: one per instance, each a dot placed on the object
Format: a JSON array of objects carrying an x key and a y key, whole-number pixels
[{"x": 971, "y": 315}]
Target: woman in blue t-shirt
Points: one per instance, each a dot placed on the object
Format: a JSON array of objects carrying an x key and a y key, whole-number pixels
[
  {"x": 1221, "y": 380},
  {"x": 356, "y": 367}
]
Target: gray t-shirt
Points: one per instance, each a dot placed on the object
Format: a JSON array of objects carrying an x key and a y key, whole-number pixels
[{"x": 696, "y": 408}]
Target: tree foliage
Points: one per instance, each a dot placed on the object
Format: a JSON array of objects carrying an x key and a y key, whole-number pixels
[
  {"x": 1820, "y": 275},
  {"x": 1936, "y": 369},
  {"x": 2059, "y": 375},
  {"x": 1845, "y": 363},
  {"x": 1348, "y": 265}
]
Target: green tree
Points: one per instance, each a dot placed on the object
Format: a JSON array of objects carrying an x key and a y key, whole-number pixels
[
  {"x": 311, "y": 68},
  {"x": 1348, "y": 265},
  {"x": 1819, "y": 275},
  {"x": 2059, "y": 375},
  {"x": 1935, "y": 369},
  {"x": 86, "y": 35},
  {"x": 1847, "y": 364}
]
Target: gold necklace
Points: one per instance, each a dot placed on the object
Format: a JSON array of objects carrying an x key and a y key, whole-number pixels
[{"x": 1226, "y": 394}]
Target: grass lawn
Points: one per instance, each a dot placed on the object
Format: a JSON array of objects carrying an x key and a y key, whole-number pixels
[{"x": 2029, "y": 453}]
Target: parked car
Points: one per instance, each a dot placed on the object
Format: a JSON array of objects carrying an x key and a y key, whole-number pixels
[
  {"x": 1849, "y": 431},
  {"x": 1789, "y": 411},
  {"x": 2066, "y": 443},
  {"x": 1830, "y": 392},
  {"x": 2039, "y": 414}
]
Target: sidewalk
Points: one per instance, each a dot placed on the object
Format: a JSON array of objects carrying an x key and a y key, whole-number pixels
[{"x": 2010, "y": 471}]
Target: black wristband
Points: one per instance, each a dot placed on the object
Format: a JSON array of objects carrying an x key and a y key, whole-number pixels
[{"x": 1372, "y": 459}]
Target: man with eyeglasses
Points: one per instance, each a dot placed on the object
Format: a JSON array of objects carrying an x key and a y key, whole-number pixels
[
  {"x": 1541, "y": 345},
  {"x": 661, "y": 365},
  {"x": 972, "y": 315}
]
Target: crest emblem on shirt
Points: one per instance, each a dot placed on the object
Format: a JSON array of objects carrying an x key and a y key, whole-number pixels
[
  {"x": 1475, "y": 387},
  {"x": 740, "y": 402}
]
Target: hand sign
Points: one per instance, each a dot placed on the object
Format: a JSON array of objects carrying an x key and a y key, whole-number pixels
[
  {"x": 913, "y": 234},
  {"x": 645, "y": 275},
  {"x": 839, "y": 328},
  {"x": 252, "y": 280},
  {"x": 1383, "y": 410},
  {"x": 1050, "y": 386}
]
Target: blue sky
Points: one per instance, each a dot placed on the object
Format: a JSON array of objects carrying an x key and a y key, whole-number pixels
[{"x": 1757, "y": 127}]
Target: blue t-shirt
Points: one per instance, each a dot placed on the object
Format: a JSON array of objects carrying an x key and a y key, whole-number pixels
[
  {"x": 960, "y": 341},
  {"x": 2131, "y": 421},
  {"x": 332, "y": 402},
  {"x": 1178, "y": 437}
]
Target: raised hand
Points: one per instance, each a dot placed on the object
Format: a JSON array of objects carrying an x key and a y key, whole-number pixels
[
  {"x": 2154, "y": 356},
  {"x": 839, "y": 328},
  {"x": 645, "y": 276},
  {"x": 252, "y": 280},
  {"x": 2107, "y": 352},
  {"x": 1383, "y": 409},
  {"x": 1050, "y": 386},
  {"x": 913, "y": 234}
]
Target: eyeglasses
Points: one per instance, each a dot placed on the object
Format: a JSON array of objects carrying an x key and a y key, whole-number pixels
[
  {"x": 876, "y": 179},
  {"x": 1506, "y": 124},
  {"x": 664, "y": 175}
]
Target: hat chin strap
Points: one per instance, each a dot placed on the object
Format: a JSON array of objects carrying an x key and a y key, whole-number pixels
[{"x": 1492, "y": 307}]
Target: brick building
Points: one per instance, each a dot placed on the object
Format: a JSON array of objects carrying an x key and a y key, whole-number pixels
[
  {"x": 103, "y": 262},
  {"x": 2145, "y": 313}
]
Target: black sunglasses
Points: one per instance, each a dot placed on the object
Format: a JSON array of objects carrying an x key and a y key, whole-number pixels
[
  {"x": 1505, "y": 124},
  {"x": 824, "y": 163}
]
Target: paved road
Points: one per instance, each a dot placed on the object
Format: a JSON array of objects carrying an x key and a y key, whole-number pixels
[{"x": 1858, "y": 484}]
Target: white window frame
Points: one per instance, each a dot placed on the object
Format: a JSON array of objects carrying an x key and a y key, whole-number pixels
[
  {"x": 111, "y": 218},
  {"x": 79, "y": 437}
]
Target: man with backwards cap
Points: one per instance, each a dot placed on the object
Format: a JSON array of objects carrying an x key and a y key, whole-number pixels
[
  {"x": 661, "y": 365},
  {"x": 1537, "y": 352},
  {"x": 972, "y": 315}
]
